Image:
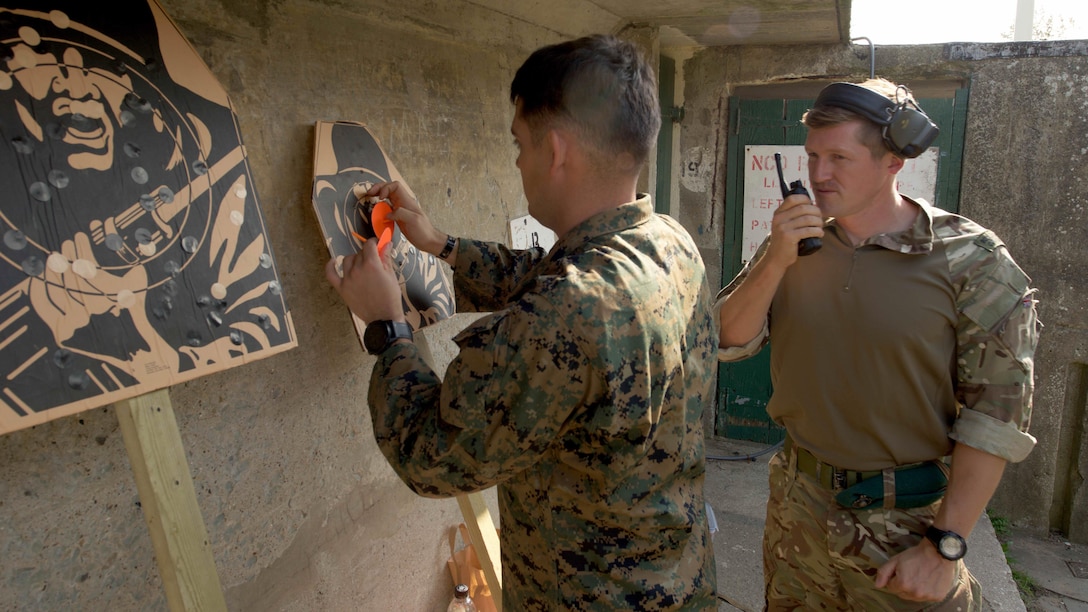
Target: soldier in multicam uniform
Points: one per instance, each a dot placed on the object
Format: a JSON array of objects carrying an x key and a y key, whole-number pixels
[
  {"x": 581, "y": 395},
  {"x": 907, "y": 338}
]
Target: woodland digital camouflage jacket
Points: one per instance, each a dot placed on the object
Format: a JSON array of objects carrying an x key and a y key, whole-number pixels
[{"x": 581, "y": 396}]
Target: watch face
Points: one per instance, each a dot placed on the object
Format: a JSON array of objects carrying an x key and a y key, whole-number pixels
[
  {"x": 380, "y": 335},
  {"x": 952, "y": 547},
  {"x": 375, "y": 337},
  {"x": 949, "y": 544}
]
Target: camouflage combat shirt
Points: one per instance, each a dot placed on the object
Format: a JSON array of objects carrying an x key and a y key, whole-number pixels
[
  {"x": 884, "y": 353},
  {"x": 581, "y": 397}
]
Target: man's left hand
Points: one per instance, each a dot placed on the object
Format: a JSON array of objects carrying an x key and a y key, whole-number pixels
[
  {"x": 918, "y": 574},
  {"x": 368, "y": 285}
]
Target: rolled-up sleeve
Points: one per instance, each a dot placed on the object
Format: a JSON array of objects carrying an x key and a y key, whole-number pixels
[
  {"x": 997, "y": 334},
  {"x": 753, "y": 346},
  {"x": 737, "y": 353}
]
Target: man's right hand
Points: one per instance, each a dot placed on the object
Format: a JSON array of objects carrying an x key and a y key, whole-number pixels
[
  {"x": 795, "y": 219},
  {"x": 411, "y": 219},
  {"x": 743, "y": 314}
]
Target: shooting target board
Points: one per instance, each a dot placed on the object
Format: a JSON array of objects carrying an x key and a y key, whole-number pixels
[
  {"x": 133, "y": 252},
  {"x": 348, "y": 159}
]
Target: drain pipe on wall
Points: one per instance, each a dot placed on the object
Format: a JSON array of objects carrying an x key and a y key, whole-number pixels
[{"x": 872, "y": 55}]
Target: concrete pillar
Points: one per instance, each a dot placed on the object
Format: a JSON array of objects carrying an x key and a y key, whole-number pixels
[{"x": 649, "y": 40}]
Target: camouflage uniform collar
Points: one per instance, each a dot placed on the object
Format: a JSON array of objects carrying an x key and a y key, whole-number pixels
[
  {"x": 915, "y": 240},
  {"x": 608, "y": 222}
]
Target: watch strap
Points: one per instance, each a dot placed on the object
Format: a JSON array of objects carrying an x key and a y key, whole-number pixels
[
  {"x": 936, "y": 535},
  {"x": 446, "y": 250},
  {"x": 380, "y": 335},
  {"x": 399, "y": 329}
]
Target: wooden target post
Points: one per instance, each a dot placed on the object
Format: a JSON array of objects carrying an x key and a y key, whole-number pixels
[
  {"x": 484, "y": 538},
  {"x": 168, "y": 498}
]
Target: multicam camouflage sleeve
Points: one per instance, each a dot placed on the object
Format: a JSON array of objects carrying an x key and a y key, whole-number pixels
[
  {"x": 997, "y": 334},
  {"x": 738, "y": 353}
]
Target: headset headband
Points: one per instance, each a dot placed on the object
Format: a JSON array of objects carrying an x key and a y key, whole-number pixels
[
  {"x": 906, "y": 129},
  {"x": 861, "y": 100}
]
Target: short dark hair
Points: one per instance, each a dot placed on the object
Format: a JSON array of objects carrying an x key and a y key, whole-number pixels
[{"x": 599, "y": 85}]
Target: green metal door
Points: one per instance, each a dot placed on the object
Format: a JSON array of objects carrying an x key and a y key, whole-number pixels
[
  {"x": 744, "y": 387},
  {"x": 670, "y": 115}
]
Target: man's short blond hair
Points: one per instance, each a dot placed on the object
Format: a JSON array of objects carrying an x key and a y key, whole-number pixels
[{"x": 871, "y": 134}]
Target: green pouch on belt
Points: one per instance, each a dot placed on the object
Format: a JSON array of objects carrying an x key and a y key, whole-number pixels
[{"x": 916, "y": 486}]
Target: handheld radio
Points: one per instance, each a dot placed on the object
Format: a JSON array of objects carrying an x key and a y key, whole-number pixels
[{"x": 807, "y": 246}]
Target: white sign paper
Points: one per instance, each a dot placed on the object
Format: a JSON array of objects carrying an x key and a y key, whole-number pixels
[
  {"x": 762, "y": 194},
  {"x": 526, "y": 232}
]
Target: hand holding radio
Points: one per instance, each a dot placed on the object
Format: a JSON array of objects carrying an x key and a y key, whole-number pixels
[{"x": 806, "y": 246}]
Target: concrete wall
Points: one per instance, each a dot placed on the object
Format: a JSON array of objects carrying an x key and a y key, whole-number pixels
[
  {"x": 1023, "y": 176},
  {"x": 302, "y": 510}
]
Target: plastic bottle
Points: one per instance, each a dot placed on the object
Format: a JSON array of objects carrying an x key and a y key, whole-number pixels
[{"x": 461, "y": 601}]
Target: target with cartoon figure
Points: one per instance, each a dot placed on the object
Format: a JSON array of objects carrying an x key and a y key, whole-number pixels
[
  {"x": 348, "y": 159},
  {"x": 134, "y": 253}
]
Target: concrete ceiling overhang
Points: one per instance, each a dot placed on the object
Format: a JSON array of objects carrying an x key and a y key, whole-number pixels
[{"x": 691, "y": 23}]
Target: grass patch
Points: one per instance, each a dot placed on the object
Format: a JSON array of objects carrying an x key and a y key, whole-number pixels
[{"x": 1024, "y": 583}]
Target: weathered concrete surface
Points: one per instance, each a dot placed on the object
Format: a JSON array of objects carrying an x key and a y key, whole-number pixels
[
  {"x": 1025, "y": 156},
  {"x": 1023, "y": 176},
  {"x": 302, "y": 511}
]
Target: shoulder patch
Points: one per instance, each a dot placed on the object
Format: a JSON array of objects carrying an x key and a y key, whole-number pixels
[{"x": 988, "y": 240}]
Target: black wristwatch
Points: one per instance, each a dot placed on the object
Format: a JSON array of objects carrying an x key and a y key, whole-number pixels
[
  {"x": 950, "y": 544},
  {"x": 380, "y": 335}
]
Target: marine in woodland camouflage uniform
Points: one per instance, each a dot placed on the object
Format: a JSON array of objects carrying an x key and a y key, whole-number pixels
[
  {"x": 887, "y": 351},
  {"x": 580, "y": 395}
]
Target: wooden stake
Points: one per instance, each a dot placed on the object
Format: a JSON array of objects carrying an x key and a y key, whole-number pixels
[
  {"x": 168, "y": 498},
  {"x": 481, "y": 531}
]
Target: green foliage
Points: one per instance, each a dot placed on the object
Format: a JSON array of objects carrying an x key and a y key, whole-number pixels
[
  {"x": 1045, "y": 27},
  {"x": 1024, "y": 583}
]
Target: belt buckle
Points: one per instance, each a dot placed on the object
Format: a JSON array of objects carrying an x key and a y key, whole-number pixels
[{"x": 838, "y": 478}]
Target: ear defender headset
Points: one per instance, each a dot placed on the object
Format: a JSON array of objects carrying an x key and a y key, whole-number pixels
[{"x": 906, "y": 129}]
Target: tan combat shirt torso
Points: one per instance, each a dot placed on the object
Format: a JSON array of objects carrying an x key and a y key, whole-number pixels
[{"x": 884, "y": 353}]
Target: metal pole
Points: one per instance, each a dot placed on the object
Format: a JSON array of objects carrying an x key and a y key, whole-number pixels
[
  {"x": 872, "y": 53},
  {"x": 1025, "y": 20}
]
